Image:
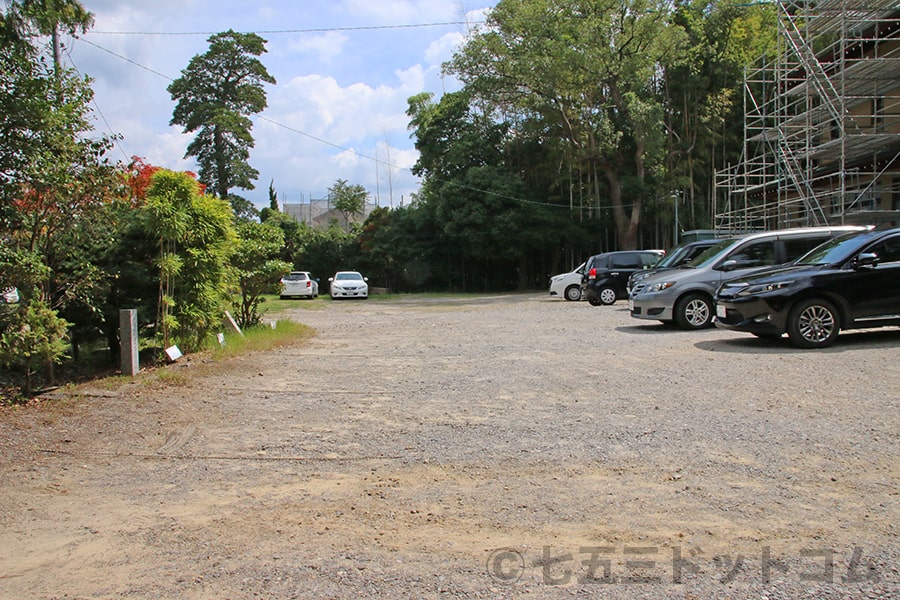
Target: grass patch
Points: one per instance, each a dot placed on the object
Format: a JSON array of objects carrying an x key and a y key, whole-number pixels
[
  {"x": 273, "y": 303},
  {"x": 264, "y": 337}
]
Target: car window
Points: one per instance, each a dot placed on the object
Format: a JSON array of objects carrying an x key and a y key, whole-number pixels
[
  {"x": 598, "y": 262},
  {"x": 835, "y": 250},
  {"x": 295, "y": 277},
  {"x": 754, "y": 254},
  {"x": 888, "y": 250},
  {"x": 343, "y": 276},
  {"x": 649, "y": 259},
  {"x": 712, "y": 253},
  {"x": 674, "y": 256},
  {"x": 795, "y": 247},
  {"x": 628, "y": 260}
]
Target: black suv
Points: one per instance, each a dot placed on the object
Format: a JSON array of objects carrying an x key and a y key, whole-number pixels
[
  {"x": 606, "y": 275},
  {"x": 850, "y": 282}
]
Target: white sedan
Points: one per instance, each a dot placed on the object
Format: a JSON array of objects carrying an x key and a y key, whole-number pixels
[
  {"x": 299, "y": 284},
  {"x": 567, "y": 285},
  {"x": 349, "y": 284}
]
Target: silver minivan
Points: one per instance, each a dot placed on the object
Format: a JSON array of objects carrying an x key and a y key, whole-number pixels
[{"x": 685, "y": 295}]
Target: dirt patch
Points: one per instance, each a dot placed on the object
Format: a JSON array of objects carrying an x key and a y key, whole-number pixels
[{"x": 509, "y": 446}]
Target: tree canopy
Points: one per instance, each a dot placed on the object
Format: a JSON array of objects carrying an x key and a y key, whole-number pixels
[{"x": 215, "y": 96}]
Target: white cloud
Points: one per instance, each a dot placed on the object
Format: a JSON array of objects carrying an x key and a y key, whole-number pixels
[
  {"x": 321, "y": 48},
  {"x": 339, "y": 81}
]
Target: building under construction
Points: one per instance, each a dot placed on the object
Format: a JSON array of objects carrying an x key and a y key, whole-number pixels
[{"x": 822, "y": 122}]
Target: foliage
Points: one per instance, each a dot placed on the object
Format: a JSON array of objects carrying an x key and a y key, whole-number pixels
[
  {"x": 257, "y": 268},
  {"x": 588, "y": 72},
  {"x": 348, "y": 199},
  {"x": 481, "y": 220},
  {"x": 32, "y": 336},
  {"x": 326, "y": 251},
  {"x": 215, "y": 94},
  {"x": 195, "y": 237}
]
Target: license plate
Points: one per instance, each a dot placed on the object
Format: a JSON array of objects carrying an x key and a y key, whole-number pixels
[{"x": 720, "y": 311}]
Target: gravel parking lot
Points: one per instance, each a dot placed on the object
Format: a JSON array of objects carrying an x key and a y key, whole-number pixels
[{"x": 481, "y": 447}]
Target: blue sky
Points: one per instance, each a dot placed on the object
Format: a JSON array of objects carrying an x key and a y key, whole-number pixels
[{"x": 344, "y": 70}]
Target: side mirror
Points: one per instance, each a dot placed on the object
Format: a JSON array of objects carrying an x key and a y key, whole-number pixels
[
  {"x": 865, "y": 259},
  {"x": 331, "y": 279},
  {"x": 729, "y": 265},
  {"x": 365, "y": 278}
]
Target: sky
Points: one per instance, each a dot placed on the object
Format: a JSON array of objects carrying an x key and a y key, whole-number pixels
[{"x": 344, "y": 71}]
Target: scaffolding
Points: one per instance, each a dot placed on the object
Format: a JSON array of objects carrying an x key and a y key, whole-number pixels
[{"x": 821, "y": 122}]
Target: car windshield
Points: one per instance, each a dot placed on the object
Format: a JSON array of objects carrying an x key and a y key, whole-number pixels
[
  {"x": 833, "y": 251},
  {"x": 709, "y": 255},
  {"x": 673, "y": 257},
  {"x": 295, "y": 277},
  {"x": 348, "y": 276}
]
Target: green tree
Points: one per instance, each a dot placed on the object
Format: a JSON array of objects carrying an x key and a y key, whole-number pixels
[
  {"x": 33, "y": 337},
  {"x": 348, "y": 199},
  {"x": 257, "y": 268},
  {"x": 195, "y": 235},
  {"x": 55, "y": 179},
  {"x": 215, "y": 95},
  {"x": 27, "y": 19},
  {"x": 590, "y": 72}
]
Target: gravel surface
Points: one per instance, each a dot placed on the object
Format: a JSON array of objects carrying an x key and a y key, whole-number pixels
[{"x": 494, "y": 447}]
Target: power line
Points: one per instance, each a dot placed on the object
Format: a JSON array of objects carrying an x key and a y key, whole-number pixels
[
  {"x": 113, "y": 136},
  {"x": 282, "y": 31}
]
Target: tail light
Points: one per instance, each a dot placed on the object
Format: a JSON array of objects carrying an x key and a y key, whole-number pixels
[
  {"x": 592, "y": 274},
  {"x": 308, "y": 283}
]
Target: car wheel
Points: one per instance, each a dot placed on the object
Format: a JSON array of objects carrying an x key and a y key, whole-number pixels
[
  {"x": 814, "y": 324},
  {"x": 694, "y": 311},
  {"x": 607, "y": 296},
  {"x": 593, "y": 300},
  {"x": 573, "y": 293}
]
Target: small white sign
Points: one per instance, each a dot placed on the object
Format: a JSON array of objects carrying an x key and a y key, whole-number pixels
[{"x": 173, "y": 353}]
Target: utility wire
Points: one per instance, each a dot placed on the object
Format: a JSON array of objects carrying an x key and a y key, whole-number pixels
[
  {"x": 115, "y": 137},
  {"x": 280, "y": 31}
]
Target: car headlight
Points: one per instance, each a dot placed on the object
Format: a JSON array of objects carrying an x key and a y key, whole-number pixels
[
  {"x": 764, "y": 288},
  {"x": 658, "y": 287}
]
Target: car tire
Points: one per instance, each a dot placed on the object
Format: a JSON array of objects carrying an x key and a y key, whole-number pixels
[
  {"x": 607, "y": 296},
  {"x": 593, "y": 300},
  {"x": 814, "y": 323},
  {"x": 694, "y": 311},
  {"x": 573, "y": 293}
]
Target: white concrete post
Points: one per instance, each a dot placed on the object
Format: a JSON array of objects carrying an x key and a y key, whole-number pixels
[{"x": 128, "y": 340}]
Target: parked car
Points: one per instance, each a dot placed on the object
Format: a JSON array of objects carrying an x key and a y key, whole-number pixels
[
  {"x": 567, "y": 285},
  {"x": 606, "y": 275},
  {"x": 299, "y": 284},
  {"x": 349, "y": 284},
  {"x": 674, "y": 258},
  {"x": 850, "y": 282},
  {"x": 685, "y": 295}
]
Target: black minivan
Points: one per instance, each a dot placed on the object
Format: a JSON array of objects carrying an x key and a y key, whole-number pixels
[{"x": 606, "y": 275}]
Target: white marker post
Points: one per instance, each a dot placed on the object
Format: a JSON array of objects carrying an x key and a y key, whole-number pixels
[{"x": 128, "y": 341}]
